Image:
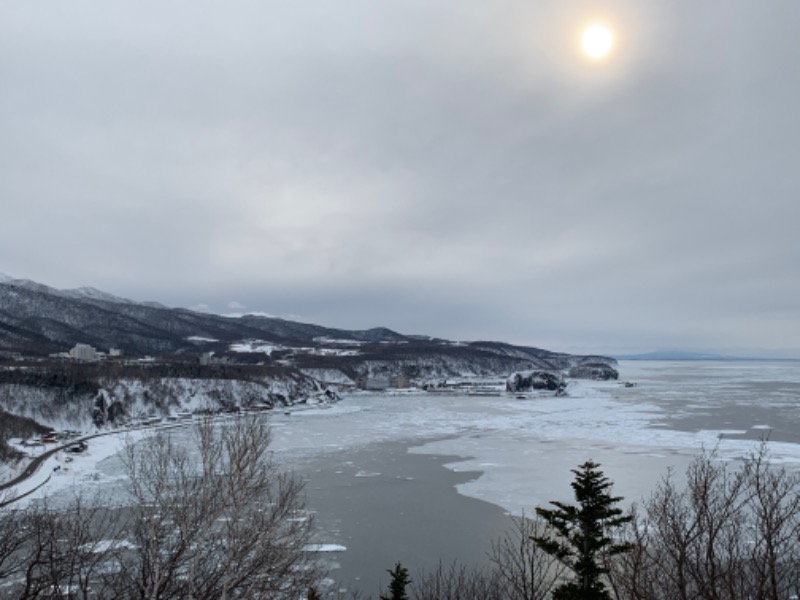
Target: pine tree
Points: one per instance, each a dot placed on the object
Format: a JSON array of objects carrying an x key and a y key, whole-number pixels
[
  {"x": 397, "y": 586},
  {"x": 583, "y": 534},
  {"x": 313, "y": 594}
]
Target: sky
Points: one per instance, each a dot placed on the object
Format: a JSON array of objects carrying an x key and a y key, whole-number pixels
[{"x": 457, "y": 169}]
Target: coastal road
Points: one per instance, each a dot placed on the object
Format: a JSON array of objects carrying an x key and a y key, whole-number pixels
[{"x": 36, "y": 463}]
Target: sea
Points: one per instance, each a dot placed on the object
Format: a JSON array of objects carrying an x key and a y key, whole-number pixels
[
  {"x": 427, "y": 479},
  {"x": 433, "y": 479}
]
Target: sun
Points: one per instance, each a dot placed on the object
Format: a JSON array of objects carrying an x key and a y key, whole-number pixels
[{"x": 597, "y": 41}]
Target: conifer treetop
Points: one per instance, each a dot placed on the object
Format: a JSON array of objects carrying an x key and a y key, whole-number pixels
[{"x": 584, "y": 533}]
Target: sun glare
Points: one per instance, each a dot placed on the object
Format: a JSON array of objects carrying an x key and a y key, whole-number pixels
[{"x": 597, "y": 41}]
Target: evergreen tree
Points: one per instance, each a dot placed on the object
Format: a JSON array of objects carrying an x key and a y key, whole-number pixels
[
  {"x": 313, "y": 594},
  {"x": 397, "y": 586},
  {"x": 584, "y": 534}
]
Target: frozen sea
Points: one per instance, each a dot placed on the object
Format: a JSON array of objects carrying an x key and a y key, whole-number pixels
[
  {"x": 524, "y": 449},
  {"x": 512, "y": 455},
  {"x": 422, "y": 477}
]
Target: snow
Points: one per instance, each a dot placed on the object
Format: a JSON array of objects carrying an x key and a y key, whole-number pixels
[
  {"x": 57, "y": 476},
  {"x": 329, "y": 351},
  {"x": 524, "y": 450},
  {"x": 92, "y": 294},
  {"x": 268, "y": 348},
  {"x": 256, "y": 346},
  {"x": 200, "y": 338},
  {"x": 326, "y": 340},
  {"x": 325, "y": 548},
  {"x": 367, "y": 474},
  {"x": 510, "y": 440},
  {"x": 103, "y": 546},
  {"x": 329, "y": 376}
]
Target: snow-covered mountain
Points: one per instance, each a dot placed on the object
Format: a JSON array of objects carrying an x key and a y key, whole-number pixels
[
  {"x": 36, "y": 319},
  {"x": 90, "y": 293}
]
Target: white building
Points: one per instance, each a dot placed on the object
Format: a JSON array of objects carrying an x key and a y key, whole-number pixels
[{"x": 83, "y": 352}]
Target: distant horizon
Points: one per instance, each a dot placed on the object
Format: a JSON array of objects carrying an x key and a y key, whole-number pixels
[{"x": 691, "y": 356}]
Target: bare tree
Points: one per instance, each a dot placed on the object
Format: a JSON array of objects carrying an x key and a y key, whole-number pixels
[
  {"x": 48, "y": 551},
  {"x": 214, "y": 521},
  {"x": 17, "y": 538},
  {"x": 14, "y": 535},
  {"x": 456, "y": 582},
  {"x": 523, "y": 570},
  {"x": 519, "y": 570},
  {"x": 773, "y": 511},
  {"x": 729, "y": 534},
  {"x": 688, "y": 541}
]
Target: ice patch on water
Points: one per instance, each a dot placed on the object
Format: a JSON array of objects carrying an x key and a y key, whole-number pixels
[
  {"x": 325, "y": 548},
  {"x": 731, "y": 431},
  {"x": 367, "y": 474}
]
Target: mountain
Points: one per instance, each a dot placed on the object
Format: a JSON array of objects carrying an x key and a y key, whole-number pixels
[{"x": 37, "y": 320}]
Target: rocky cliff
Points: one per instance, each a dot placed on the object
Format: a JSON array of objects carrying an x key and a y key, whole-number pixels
[{"x": 87, "y": 397}]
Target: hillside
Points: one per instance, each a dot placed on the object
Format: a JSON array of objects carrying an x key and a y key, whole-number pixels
[{"x": 37, "y": 320}]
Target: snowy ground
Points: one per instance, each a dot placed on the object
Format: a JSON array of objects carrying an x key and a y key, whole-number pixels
[{"x": 67, "y": 472}]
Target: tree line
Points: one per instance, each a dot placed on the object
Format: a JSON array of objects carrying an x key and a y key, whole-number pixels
[
  {"x": 12, "y": 426},
  {"x": 218, "y": 519},
  {"x": 87, "y": 376}
]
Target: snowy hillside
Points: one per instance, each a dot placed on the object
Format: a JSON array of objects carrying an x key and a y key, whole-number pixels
[{"x": 90, "y": 401}]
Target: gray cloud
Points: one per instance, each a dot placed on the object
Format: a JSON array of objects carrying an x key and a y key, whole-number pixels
[{"x": 453, "y": 171}]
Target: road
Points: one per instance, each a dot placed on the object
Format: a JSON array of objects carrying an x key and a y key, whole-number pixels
[{"x": 36, "y": 463}]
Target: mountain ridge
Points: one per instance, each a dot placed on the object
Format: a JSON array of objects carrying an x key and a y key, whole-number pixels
[{"x": 36, "y": 319}]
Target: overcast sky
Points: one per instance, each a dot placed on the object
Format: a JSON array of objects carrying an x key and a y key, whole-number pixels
[{"x": 451, "y": 168}]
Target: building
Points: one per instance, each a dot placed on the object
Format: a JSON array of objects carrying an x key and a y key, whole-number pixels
[
  {"x": 399, "y": 381},
  {"x": 373, "y": 384},
  {"x": 83, "y": 352},
  {"x": 379, "y": 384}
]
